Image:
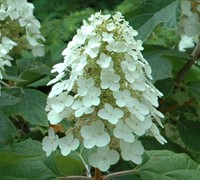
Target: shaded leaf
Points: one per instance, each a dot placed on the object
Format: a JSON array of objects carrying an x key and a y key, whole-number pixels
[
  {"x": 31, "y": 71},
  {"x": 10, "y": 178},
  {"x": 6, "y": 99},
  {"x": 190, "y": 133},
  {"x": 194, "y": 89},
  {"x": 150, "y": 143},
  {"x": 128, "y": 177},
  {"x": 31, "y": 107},
  {"x": 161, "y": 66},
  {"x": 7, "y": 130},
  {"x": 181, "y": 97},
  {"x": 165, "y": 86}
]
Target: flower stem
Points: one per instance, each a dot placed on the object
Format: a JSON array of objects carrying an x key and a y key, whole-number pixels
[{"x": 97, "y": 175}]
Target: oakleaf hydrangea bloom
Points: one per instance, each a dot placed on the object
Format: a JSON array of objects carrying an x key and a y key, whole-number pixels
[
  {"x": 19, "y": 27},
  {"x": 108, "y": 101},
  {"x": 189, "y": 26}
]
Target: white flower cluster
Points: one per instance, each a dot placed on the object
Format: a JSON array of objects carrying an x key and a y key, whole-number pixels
[
  {"x": 108, "y": 99},
  {"x": 189, "y": 26},
  {"x": 18, "y": 12}
]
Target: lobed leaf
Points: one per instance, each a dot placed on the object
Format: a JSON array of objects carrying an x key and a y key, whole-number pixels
[
  {"x": 150, "y": 13},
  {"x": 7, "y": 130},
  {"x": 7, "y": 99},
  {"x": 189, "y": 133},
  {"x": 31, "y": 107},
  {"x": 167, "y": 165},
  {"x": 161, "y": 66}
]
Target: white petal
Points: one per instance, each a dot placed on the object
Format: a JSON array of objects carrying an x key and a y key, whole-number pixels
[
  {"x": 54, "y": 117},
  {"x": 103, "y": 165},
  {"x": 102, "y": 113},
  {"x": 136, "y": 159},
  {"x": 74, "y": 144},
  {"x": 58, "y": 107},
  {"x": 85, "y": 132},
  {"x": 103, "y": 140},
  {"x": 47, "y": 145},
  {"x": 89, "y": 143},
  {"x": 113, "y": 157}
]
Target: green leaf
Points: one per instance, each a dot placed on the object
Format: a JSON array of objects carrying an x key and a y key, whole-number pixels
[
  {"x": 28, "y": 147},
  {"x": 128, "y": 177},
  {"x": 165, "y": 86},
  {"x": 24, "y": 160},
  {"x": 40, "y": 82},
  {"x": 161, "y": 66},
  {"x": 10, "y": 178},
  {"x": 167, "y": 165},
  {"x": 181, "y": 97},
  {"x": 31, "y": 71},
  {"x": 7, "y": 130},
  {"x": 69, "y": 165},
  {"x": 189, "y": 133},
  {"x": 178, "y": 60},
  {"x": 27, "y": 169},
  {"x": 194, "y": 89},
  {"x": 6, "y": 99},
  {"x": 151, "y": 143},
  {"x": 11, "y": 154},
  {"x": 150, "y": 13},
  {"x": 31, "y": 107}
]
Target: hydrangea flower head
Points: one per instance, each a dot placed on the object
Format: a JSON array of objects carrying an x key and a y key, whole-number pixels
[
  {"x": 114, "y": 101},
  {"x": 19, "y": 27}
]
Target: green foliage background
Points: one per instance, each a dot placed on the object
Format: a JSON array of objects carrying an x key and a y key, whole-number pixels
[{"x": 23, "y": 121}]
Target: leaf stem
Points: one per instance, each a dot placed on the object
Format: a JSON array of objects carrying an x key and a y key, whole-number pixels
[
  {"x": 5, "y": 84},
  {"x": 98, "y": 175},
  {"x": 122, "y": 173},
  {"x": 74, "y": 178}
]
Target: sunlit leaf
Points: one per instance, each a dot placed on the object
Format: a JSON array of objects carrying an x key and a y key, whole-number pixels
[
  {"x": 69, "y": 165},
  {"x": 150, "y": 13},
  {"x": 167, "y": 165}
]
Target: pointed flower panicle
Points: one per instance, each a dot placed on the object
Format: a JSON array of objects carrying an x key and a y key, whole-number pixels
[
  {"x": 19, "y": 13},
  {"x": 113, "y": 101}
]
